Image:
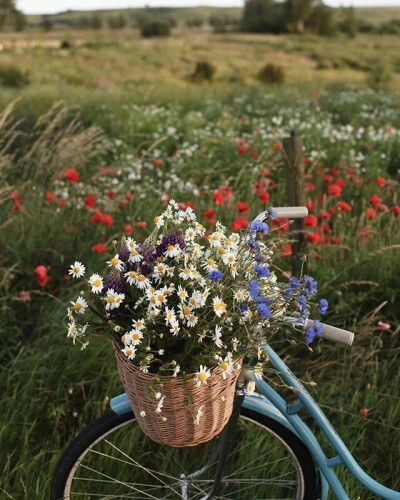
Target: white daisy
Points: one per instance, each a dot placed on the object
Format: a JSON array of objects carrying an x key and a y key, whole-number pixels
[
  {"x": 138, "y": 324},
  {"x": 96, "y": 282},
  {"x": 159, "y": 221},
  {"x": 201, "y": 376},
  {"x": 258, "y": 372},
  {"x": 219, "y": 306},
  {"x": 80, "y": 305},
  {"x": 240, "y": 295},
  {"x": 129, "y": 352},
  {"x": 77, "y": 270},
  {"x": 175, "y": 328},
  {"x": 142, "y": 282},
  {"x": 182, "y": 293},
  {"x": 173, "y": 251},
  {"x": 188, "y": 273},
  {"x": 192, "y": 320},
  {"x": 190, "y": 233},
  {"x": 177, "y": 369},
  {"x": 217, "y": 336},
  {"x": 113, "y": 299},
  {"x": 170, "y": 316},
  {"x": 160, "y": 405},
  {"x": 250, "y": 388},
  {"x": 131, "y": 277},
  {"x": 226, "y": 365},
  {"x": 229, "y": 258},
  {"x": 135, "y": 336},
  {"x": 116, "y": 262}
]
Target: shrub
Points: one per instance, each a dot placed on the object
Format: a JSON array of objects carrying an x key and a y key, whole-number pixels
[
  {"x": 379, "y": 76},
  {"x": 65, "y": 44},
  {"x": 204, "y": 70},
  {"x": 272, "y": 73},
  {"x": 156, "y": 28},
  {"x": 12, "y": 76}
]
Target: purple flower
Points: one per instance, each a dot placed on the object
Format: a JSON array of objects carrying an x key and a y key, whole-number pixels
[
  {"x": 323, "y": 306},
  {"x": 259, "y": 227},
  {"x": 316, "y": 330},
  {"x": 263, "y": 310},
  {"x": 310, "y": 285},
  {"x": 215, "y": 275},
  {"x": 262, "y": 271},
  {"x": 175, "y": 238},
  {"x": 294, "y": 283}
]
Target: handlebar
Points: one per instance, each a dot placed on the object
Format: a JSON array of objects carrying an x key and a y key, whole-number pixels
[
  {"x": 283, "y": 213},
  {"x": 334, "y": 334}
]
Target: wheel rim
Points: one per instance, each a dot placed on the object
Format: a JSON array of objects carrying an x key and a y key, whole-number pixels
[{"x": 124, "y": 463}]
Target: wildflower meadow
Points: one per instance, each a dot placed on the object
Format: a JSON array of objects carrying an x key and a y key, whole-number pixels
[{"x": 77, "y": 176}]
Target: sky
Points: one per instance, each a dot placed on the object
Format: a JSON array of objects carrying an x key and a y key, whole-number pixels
[{"x": 53, "y": 6}]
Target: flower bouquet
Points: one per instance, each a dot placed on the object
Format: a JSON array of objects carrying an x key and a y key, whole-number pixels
[{"x": 185, "y": 309}]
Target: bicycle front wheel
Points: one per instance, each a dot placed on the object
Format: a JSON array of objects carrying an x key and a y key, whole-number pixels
[{"x": 112, "y": 458}]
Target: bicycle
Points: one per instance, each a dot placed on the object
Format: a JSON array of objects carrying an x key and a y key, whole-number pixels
[{"x": 265, "y": 451}]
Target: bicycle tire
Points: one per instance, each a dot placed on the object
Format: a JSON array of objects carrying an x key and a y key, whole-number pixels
[{"x": 67, "y": 466}]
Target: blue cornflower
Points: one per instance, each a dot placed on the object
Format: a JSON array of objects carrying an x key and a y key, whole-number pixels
[
  {"x": 294, "y": 283},
  {"x": 310, "y": 285},
  {"x": 273, "y": 214},
  {"x": 316, "y": 330},
  {"x": 259, "y": 227},
  {"x": 262, "y": 271},
  {"x": 303, "y": 306},
  {"x": 254, "y": 245},
  {"x": 323, "y": 306},
  {"x": 288, "y": 293},
  {"x": 244, "y": 308},
  {"x": 254, "y": 289},
  {"x": 264, "y": 310},
  {"x": 215, "y": 275}
]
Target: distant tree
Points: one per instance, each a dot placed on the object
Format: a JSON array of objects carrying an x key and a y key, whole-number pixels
[
  {"x": 297, "y": 13},
  {"x": 96, "y": 22},
  {"x": 117, "y": 22},
  {"x": 322, "y": 21},
  {"x": 349, "y": 22},
  {"x": 47, "y": 23},
  {"x": 10, "y": 16},
  {"x": 155, "y": 28},
  {"x": 263, "y": 16},
  {"x": 194, "y": 22},
  {"x": 19, "y": 21}
]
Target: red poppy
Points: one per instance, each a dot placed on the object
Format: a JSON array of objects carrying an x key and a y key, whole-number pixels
[
  {"x": 212, "y": 222},
  {"x": 277, "y": 146},
  {"x": 242, "y": 149},
  {"x": 370, "y": 213},
  {"x": 310, "y": 186},
  {"x": 107, "y": 220},
  {"x": 326, "y": 229},
  {"x": 97, "y": 217},
  {"x": 341, "y": 183},
  {"x": 334, "y": 170},
  {"x": 375, "y": 200},
  {"x": 266, "y": 172},
  {"x": 334, "y": 189},
  {"x": 351, "y": 172},
  {"x": 128, "y": 229},
  {"x": 325, "y": 215},
  {"x": 334, "y": 240},
  {"x": 110, "y": 195},
  {"x": 90, "y": 201},
  {"x": 49, "y": 196},
  {"x": 62, "y": 203},
  {"x": 42, "y": 276},
  {"x": 328, "y": 179},
  {"x": 343, "y": 206},
  {"x": 364, "y": 412},
  {"x": 72, "y": 175},
  {"x": 15, "y": 197},
  {"x": 128, "y": 196},
  {"x": 142, "y": 224},
  {"x": 314, "y": 237},
  {"x": 242, "y": 206},
  {"x": 208, "y": 214},
  {"x": 17, "y": 206},
  {"x": 263, "y": 196},
  {"x": 239, "y": 223},
  {"x": 395, "y": 210},
  {"x": 380, "y": 181},
  {"x": 310, "y": 221},
  {"x": 122, "y": 203},
  {"x": 280, "y": 225},
  {"x": 310, "y": 204},
  {"x": 99, "y": 248},
  {"x": 103, "y": 169},
  {"x": 365, "y": 232},
  {"x": 287, "y": 251},
  {"x": 382, "y": 207},
  {"x": 157, "y": 163},
  {"x": 218, "y": 198}
]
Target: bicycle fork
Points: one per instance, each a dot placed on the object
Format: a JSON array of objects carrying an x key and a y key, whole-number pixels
[{"x": 221, "y": 450}]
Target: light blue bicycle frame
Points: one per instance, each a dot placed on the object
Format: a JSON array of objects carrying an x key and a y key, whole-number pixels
[{"x": 274, "y": 406}]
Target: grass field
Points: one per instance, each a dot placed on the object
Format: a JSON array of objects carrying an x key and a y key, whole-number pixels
[{"x": 127, "y": 106}]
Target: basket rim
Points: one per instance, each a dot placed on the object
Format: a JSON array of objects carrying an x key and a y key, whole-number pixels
[{"x": 164, "y": 378}]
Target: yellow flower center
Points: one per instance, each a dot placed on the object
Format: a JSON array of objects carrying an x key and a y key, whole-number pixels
[
  {"x": 135, "y": 336},
  {"x": 186, "y": 270},
  {"x": 111, "y": 299},
  {"x": 129, "y": 352},
  {"x": 224, "y": 366},
  {"x": 77, "y": 270},
  {"x": 192, "y": 301},
  {"x": 220, "y": 306},
  {"x": 221, "y": 250},
  {"x": 186, "y": 310},
  {"x": 97, "y": 283},
  {"x": 133, "y": 274},
  {"x": 134, "y": 253},
  {"x": 202, "y": 376},
  {"x": 123, "y": 339},
  {"x": 156, "y": 219},
  {"x": 191, "y": 318},
  {"x": 160, "y": 298},
  {"x": 160, "y": 259},
  {"x": 77, "y": 306},
  {"x": 171, "y": 247},
  {"x": 229, "y": 242},
  {"x": 114, "y": 261},
  {"x": 141, "y": 277}
]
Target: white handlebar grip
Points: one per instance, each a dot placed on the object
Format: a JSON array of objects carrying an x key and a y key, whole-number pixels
[
  {"x": 335, "y": 334},
  {"x": 291, "y": 212}
]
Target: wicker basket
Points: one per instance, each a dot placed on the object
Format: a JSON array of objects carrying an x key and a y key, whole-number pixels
[{"x": 175, "y": 425}]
